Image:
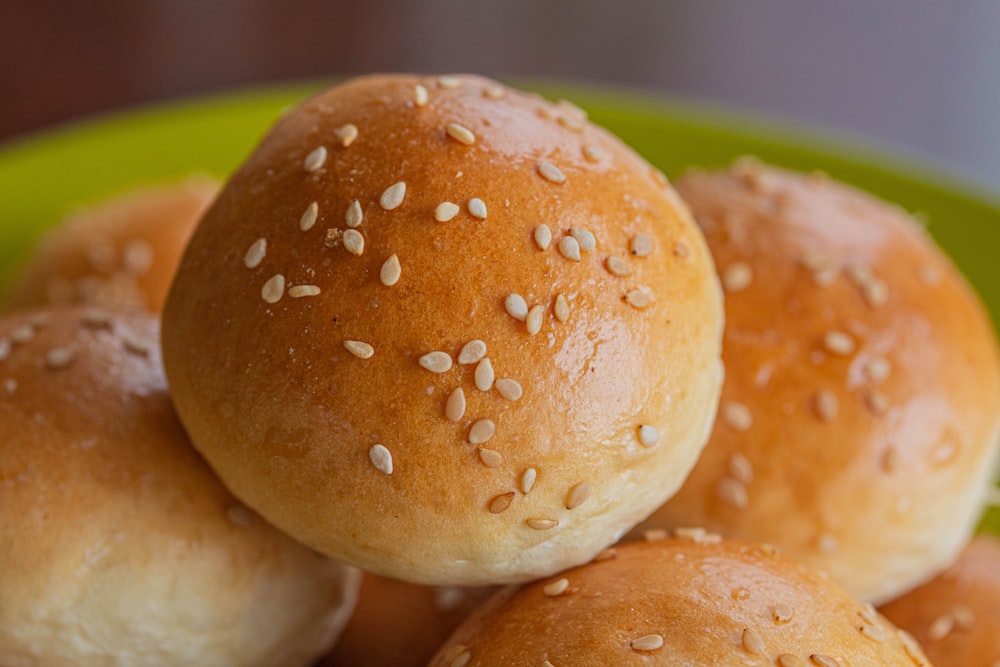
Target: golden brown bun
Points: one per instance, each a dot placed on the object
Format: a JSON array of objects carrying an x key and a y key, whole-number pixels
[
  {"x": 302, "y": 429},
  {"x": 680, "y": 601},
  {"x": 396, "y": 624},
  {"x": 121, "y": 253},
  {"x": 859, "y": 420},
  {"x": 119, "y": 544},
  {"x": 956, "y": 616}
]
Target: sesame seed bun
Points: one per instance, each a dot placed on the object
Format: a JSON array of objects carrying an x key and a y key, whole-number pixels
[
  {"x": 451, "y": 360},
  {"x": 121, "y": 252},
  {"x": 694, "y": 600},
  {"x": 858, "y": 427},
  {"x": 396, "y": 624},
  {"x": 119, "y": 544},
  {"x": 956, "y": 616}
]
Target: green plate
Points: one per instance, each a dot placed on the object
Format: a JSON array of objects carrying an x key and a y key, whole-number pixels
[{"x": 43, "y": 177}]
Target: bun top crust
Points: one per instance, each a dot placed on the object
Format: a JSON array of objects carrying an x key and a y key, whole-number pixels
[
  {"x": 314, "y": 337},
  {"x": 119, "y": 253},
  {"x": 858, "y": 427},
  {"x": 680, "y": 601},
  {"x": 956, "y": 615}
]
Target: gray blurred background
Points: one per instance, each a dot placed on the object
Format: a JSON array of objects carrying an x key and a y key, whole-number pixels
[{"x": 921, "y": 74}]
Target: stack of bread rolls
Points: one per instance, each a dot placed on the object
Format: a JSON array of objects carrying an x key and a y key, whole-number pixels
[{"x": 457, "y": 336}]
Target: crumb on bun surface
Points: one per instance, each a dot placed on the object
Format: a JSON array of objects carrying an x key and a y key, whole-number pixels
[
  {"x": 858, "y": 427},
  {"x": 440, "y": 329}
]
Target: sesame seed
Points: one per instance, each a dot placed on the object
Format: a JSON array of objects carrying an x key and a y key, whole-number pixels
[
  {"x": 873, "y": 632},
  {"x": 781, "y": 613},
  {"x": 393, "y": 196},
  {"x": 550, "y": 172},
  {"x": 639, "y": 299},
  {"x": 528, "y": 478},
  {"x": 448, "y": 598},
  {"x": 482, "y": 430},
  {"x": 22, "y": 333},
  {"x": 461, "y": 660},
  {"x": 308, "y": 218},
  {"x": 472, "y": 352},
  {"x": 681, "y": 249},
  {"x": 273, "y": 289},
  {"x": 606, "y": 554},
  {"x": 490, "y": 458},
  {"x": 838, "y": 342},
  {"x": 454, "y": 408},
  {"x": 509, "y": 389},
  {"x": 354, "y": 242},
  {"x": 737, "y": 277},
  {"x": 912, "y": 648},
  {"x": 541, "y": 524},
  {"x": 97, "y": 319},
  {"x": 617, "y": 266},
  {"x": 824, "y": 277},
  {"x": 543, "y": 236},
  {"x": 577, "y": 495},
  {"x": 449, "y": 81},
  {"x": 875, "y": 293},
  {"x": 878, "y": 369},
  {"x": 930, "y": 276},
  {"x": 752, "y": 642},
  {"x": 484, "y": 374},
  {"x": 732, "y": 493},
  {"x": 654, "y": 534},
  {"x": 648, "y": 435},
  {"x": 868, "y": 613},
  {"x": 823, "y": 660},
  {"x": 827, "y": 543},
  {"x": 516, "y": 306},
  {"x": 5, "y": 346},
  {"x": 347, "y": 134},
  {"x": 877, "y": 402},
  {"x": 641, "y": 245},
  {"x": 494, "y": 92},
  {"x": 359, "y": 349},
  {"x": 591, "y": 153},
  {"x": 59, "y": 357},
  {"x": 390, "y": 271},
  {"x": 740, "y": 468},
  {"x": 500, "y": 503},
  {"x": 299, "y": 291},
  {"x": 10, "y": 386},
  {"x": 419, "y": 96},
  {"x": 445, "y": 211},
  {"x": 460, "y": 134},
  {"x": 569, "y": 248},
  {"x": 584, "y": 237},
  {"x": 332, "y": 239},
  {"x": 477, "y": 207},
  {"x": 556, "y": 588},
  {"x": 354, "y": 216},
  {"x": 789, "y": 660},
  {"x": 315, "y": 160},
  {"x": 534, "y": 319},
  {"x": 381, "y": 459},
  {"x": 436, "y": 362},
  {"x": 647, "y": 643},
  {"x": 940, "y": 628},
  {"x": 561, "y": 308},
  {"x": 255, "y": 254},
  {"x": 571, "y": 123},
  {"x": 964, "y": 618},
  {"x": 826, "y": 405},
  {"x": 138, "y": 257}
]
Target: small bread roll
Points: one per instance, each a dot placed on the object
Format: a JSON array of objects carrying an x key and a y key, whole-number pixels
[
  {"x": 119, "y": 253},
  {"x": 446, "y": 331},
  {"x": 956, "y": 616},
  {"x": 117, "y": 543},
  {"x": 694, "y": 600},
  {"x": 396, "y": 624},
  {"x": 859, "y": 421}
]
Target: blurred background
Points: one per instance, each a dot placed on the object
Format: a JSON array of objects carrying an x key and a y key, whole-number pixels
[{"x": 923, "y": 75}]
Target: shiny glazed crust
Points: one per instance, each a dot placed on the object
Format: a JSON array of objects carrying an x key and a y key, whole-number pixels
[
  {"x": 297, "y": 357},
  {"x": 680, "y": 601},
  {"x": 119, "y": 544},
  {"x": 859, "y": 419}
]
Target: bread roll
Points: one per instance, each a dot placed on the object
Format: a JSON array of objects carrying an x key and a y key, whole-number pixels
[
  {"x": 859, "y": 421},
  {"x": 956, "y": 616},
  {"x": 118, "y": 546},
  {"x": 121, "y": 252},
  {"x": 692, "y": 600},
  {"x": 446, "y": 331}
]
